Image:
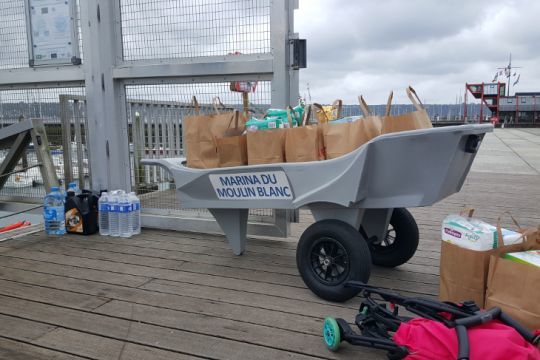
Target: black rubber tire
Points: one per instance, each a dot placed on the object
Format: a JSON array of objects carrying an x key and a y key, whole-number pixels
[
  {"x": 404, "y": 245},
  {"x": 344, "y": 242}
]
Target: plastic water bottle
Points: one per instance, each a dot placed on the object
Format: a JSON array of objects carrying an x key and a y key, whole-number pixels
[
  {"x": 135, "y": 214},
  {"x": 53, "y": 212},
  {"x": 124, "y": 215},
  {"x": 114, "y": 211},
  {"x": 73, "y": 188},
  {"x": 103, "y": 207}
]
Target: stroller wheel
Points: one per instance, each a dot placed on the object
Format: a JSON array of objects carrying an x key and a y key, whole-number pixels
[{"x": 331, "y": 333}]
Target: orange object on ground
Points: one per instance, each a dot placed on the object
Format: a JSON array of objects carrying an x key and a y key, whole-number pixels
[{"x": 14, "y": 226}]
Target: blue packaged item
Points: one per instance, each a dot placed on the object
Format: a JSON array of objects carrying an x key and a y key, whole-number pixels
[{"x": 344, "y": 120}]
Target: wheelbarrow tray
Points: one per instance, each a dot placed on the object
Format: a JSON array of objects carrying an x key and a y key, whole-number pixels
[{"x": 405, "y": 169}]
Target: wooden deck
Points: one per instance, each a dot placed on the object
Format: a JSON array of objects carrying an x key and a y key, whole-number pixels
[{"x": 168, "y": 295}]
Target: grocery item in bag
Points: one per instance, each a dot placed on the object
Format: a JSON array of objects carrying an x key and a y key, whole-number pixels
[
  {"x": 414, "y": 120},
  {"x": 304, "y": 143},
  {"x": 475, "y": 234},
  {"x": 199, "y": 132},
  {"x": 326, "y": 113},
  {"x": 531, "y": 257},
  {"x": 463, "y": 272},
  {"x": 231, "y": 147}
]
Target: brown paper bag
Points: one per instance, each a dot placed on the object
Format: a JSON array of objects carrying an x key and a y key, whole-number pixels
[
  {"x": 341, "y": 139},
  {"x": 415, "y": 120},
  {"x": 463, "y": 272},
  {"x": 304, "y": 143},
  {"x": 515, "y": 288},
  {"x": 199, "y": 136},
  {"x": 266, "y": 146},
  {"x": 231, "y": 147}
]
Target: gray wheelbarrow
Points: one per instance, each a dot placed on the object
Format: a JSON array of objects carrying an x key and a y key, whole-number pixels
[{"x": 358, "y": 200}]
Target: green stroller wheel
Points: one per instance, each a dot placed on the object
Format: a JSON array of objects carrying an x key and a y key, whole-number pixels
[{"x": 331, "y": 333}]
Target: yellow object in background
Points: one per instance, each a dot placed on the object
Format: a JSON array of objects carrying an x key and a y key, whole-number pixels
[{"x": 328, "y": 113}]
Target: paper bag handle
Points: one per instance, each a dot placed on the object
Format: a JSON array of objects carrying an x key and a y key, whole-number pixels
[
  {"x": 413, "y": 96},
  {"x": 195, "y": 105},
  {"x": 307, "y": 115},
  {"x": 216, "y": 103},
  {"x": 389, "y": 104},
  {"x": 468, "y": 212},
  {"x": 337, "y": 105},
  {"x": 499, "y": 229},
  {"x": 364, "y": 106},
  {"x": 235, "y": 116}
]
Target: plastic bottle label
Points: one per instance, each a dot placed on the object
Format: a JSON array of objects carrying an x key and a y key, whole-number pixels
[
  {"x": 136, "y": 206},
  {"x": 114, "y": 208},
  {"x": 54, "y": 213},
  {"x": 104, "y": 207},
  {"x": 124, "y": 208}
]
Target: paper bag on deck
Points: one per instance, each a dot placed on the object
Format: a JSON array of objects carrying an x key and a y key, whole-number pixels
[
  {"x": 463, "y": 272},
  {"x": 304, "y": 143},
  {"x": 199, "y": 132},
  {"x": 232, "y": 145},
  {"x": 266, "y": 146},
  {"x": 515, "y": 288},
  {"x": 414, "y": 120}
]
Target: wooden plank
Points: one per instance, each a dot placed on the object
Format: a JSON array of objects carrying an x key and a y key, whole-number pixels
[
  {"x": 17, "y": 350},
  {"x": 67, "y": 298},
  {"x": 280, "y": 318},
  {"x": 21, "y": 329},
  {"x": 178, "y": 331},
  {"x": 237, "y": 280}
]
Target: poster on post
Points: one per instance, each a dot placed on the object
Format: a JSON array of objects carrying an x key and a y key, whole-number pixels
[{"x": 52, "y": 35}]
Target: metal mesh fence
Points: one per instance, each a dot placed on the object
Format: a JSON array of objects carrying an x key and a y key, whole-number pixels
[
  {"x": 155, "y": 115},
  {"x": 54, "y": 106},
  {"x": 13, "y": 42},
  {"x": 159, "y": 29},
  {"x": 13, "y": 37}
]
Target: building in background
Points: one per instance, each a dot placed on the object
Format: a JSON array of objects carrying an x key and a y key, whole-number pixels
[{"x": 521, "y": 109}]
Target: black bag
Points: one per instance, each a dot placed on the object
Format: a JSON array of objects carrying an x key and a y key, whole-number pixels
[{"x": 82, "y": 213}]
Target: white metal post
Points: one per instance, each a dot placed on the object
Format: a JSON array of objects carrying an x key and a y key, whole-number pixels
[
  {"x": 106, "y": 99},
  {"x": 285, "y": 80}
]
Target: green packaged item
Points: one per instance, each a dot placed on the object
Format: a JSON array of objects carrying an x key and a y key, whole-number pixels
[
  {"x": 268, "y": 123},
  {"x": 531, "y": 257},
  {"x": 277, "y": 119}
]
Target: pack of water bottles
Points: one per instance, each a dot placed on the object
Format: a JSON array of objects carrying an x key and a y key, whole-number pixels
[{"x": 119, "y": 214}]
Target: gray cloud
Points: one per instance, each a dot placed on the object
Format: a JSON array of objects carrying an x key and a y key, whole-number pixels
[{"x": 371, "y": 47}]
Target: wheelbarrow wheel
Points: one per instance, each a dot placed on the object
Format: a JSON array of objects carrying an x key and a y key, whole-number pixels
[
  {"x": 330, "y": 253},
  {"x": 400, "y": 243}
]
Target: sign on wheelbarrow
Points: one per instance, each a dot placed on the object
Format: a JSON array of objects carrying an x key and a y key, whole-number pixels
[{"x": 268, "y": 185}]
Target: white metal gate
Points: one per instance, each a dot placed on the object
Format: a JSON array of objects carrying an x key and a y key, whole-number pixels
[{"x": 150, "y": 55}]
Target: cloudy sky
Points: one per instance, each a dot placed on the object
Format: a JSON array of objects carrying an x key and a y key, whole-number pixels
[{"x": 373, "y": 46}]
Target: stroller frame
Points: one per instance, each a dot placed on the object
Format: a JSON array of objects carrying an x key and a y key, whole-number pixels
[{"x": 376, "y": 322}]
